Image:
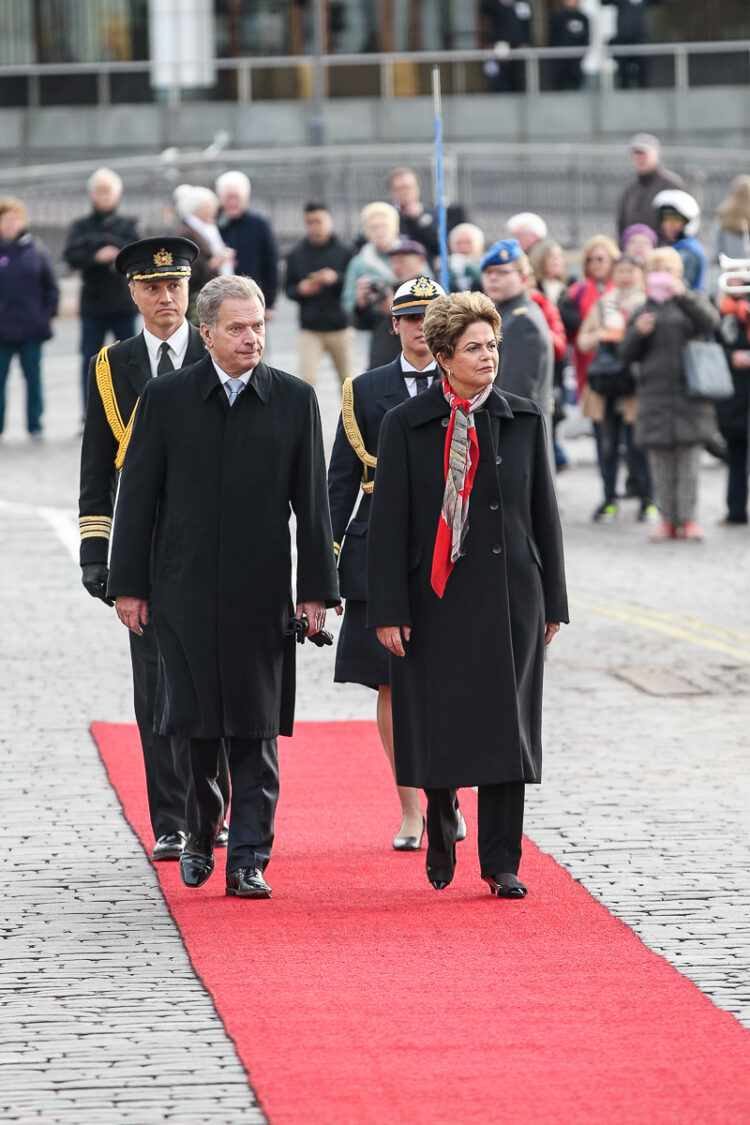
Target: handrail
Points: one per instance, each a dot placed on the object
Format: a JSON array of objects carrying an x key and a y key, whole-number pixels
[{"x": 380, "y": 58}]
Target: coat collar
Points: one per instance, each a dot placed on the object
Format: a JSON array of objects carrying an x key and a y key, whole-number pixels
[
  {"x": 432, "y": 404},
  {"x": 394, "y": 386},
  {"x": 208, "y": 380}
]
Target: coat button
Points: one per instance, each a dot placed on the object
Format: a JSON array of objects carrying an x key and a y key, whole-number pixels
[
  {"x": 496, "y": 549},
  {"x": 444, "y": 423},
  {"x": 494, "y": 505},
  {"x": 498, "y": 460}
]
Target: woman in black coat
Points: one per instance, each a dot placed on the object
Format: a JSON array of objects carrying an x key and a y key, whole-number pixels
[{"x": 466, "y": 606}]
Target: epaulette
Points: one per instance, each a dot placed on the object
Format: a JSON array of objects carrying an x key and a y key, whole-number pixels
[
  {"x": 353, "y": 434},
  {"x": 111, "y": 409}
]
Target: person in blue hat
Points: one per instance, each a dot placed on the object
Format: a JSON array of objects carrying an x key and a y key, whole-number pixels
[{"x": 526, "y": 352}]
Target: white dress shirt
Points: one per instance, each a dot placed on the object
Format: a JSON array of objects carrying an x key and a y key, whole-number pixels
[
  {"x": 411, "y": 382},
  {"x": 245, "y": 377},
  {"x": 178, "y": 343}
]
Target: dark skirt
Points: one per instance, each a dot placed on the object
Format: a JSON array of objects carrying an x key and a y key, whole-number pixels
[{"x": 360, "y": 657}]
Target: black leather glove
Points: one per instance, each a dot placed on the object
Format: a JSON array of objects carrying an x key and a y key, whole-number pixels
[
  {"x": 94, "y": 577},
  {"x": 297, "y": 628}
]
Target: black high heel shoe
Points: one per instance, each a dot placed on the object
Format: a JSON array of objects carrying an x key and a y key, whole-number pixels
[
  {"x": 505, "y": 885},
  {"x": 440, "y": 867}
]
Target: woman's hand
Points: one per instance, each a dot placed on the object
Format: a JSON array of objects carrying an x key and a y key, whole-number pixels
[
  {"x": 391, "y": 637},
  {"x": 550, "y": 629},
  {"x": 644, "y": 324}
]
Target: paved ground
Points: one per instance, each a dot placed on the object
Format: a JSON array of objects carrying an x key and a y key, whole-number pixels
[{"x": 645, "y": 799}]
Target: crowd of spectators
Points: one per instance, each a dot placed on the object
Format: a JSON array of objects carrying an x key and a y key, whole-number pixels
[{"x": 603, "y": 327}]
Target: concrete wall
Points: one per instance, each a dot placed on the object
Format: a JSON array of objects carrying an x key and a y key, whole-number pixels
[{"x": 708, "y": 117}]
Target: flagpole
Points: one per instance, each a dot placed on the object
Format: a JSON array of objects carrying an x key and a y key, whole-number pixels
[{"x": 439, "y": 181}]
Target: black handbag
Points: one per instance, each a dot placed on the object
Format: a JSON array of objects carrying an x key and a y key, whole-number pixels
[
  {"x": 608, "y": 374},
  {"x": 707, "y": 373}
]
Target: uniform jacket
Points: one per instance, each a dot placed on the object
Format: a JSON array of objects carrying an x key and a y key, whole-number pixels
[
  {"x": 29, "y": 293},
  {"x": 375, "y": 393},
  {"x": 213, "y": 488},
  {"x": 666, "y": 416},
  {"x": 467, "y": 697},
  {"x": 321, "y": 312},
  {"x": 104, "y": 291},
  {"x": 257, "y": 254},
  {"x": 131, "y": 371},
  {"x": 526, "y": 356}
]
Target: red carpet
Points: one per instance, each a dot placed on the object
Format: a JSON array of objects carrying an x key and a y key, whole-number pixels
[{"x": 358, "y": 995}]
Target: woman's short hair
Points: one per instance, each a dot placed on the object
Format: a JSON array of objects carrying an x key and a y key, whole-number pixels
[
  {"x": 189, "y": 197},
  {"x": 222, "y": 288},
  {"x": 380, "y": 210},
  {"x": 448, "y": 317},
  {"x": 665, "y": 258},
  {"x": 10, "y": 203},
  {"x": 597, "y": 241}
]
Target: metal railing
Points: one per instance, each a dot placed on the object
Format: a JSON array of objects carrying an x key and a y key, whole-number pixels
[
  {"x": 575, "y": 187},
  {"x": 459, "y": 65}
]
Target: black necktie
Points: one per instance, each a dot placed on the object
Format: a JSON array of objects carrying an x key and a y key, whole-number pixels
[
  {"x": 165, "y": 363},
  {"x": 421, "y": 383}
]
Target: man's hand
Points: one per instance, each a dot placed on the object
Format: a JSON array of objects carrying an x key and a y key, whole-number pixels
[
  {"x": 550, "y": 629},
  {"x": 315, "y": 612},
  {"x": 133, "y": 612},
  {"x": 327, "y": 276},
  {"x": 106, "y": 255},
  {"x": 391, "y": 636},
  {"x": 94, "y": 577},
  {"x": 309, "y": 286}
]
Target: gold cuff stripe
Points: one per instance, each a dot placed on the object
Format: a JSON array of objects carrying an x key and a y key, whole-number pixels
[
  {"x": 85, "y": 521},
  {"x": 161, "y": 275},
  {"x": 336, "y": 548},
  {"x": 94, "y": 535},
  {"x": 111, "y": 409},
  {"x": 353, "y": 433}
]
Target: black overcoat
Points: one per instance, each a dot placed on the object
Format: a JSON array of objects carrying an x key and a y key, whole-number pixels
[
  {"x": 131, "y": 371},
  {"x": 375, "y": 393},
  {"x": 467, "y": 697},
  {"x": 214, "y": 488}
]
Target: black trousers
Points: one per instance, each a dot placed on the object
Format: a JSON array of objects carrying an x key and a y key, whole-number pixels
[
  {"x": 254, "y": 772},
  {"x": 500, "y": 825},
  {"x": 737, "y": 480},
  {"x": 165, "y": 758}
]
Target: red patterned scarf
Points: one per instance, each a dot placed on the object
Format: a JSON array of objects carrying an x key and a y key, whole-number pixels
[{"x": 461, "y": 457}]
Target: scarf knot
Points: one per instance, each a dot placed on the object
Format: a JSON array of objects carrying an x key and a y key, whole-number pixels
[{"x": 460, "y": 466}]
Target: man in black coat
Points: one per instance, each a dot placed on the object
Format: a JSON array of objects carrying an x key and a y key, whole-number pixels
[
  {"x": 568, "y": 27},
  {"x": 249, "y": 235},
  {"x": 632, "y": 29},
  {"x": 158, "y": 270},
  {"x": 636, "y": 203},
  {"x": 366, "y": 401},
  {"x": 315, "y": 272},
  {"x": 93, "y": 243},
  {"x": 221, "y": 454}
]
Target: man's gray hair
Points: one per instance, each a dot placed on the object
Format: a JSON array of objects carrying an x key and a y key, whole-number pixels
[
  {"x": 235, "y": 181},
  {"x": 221, "y": 289},
  {"x": 108, "y": 174}
]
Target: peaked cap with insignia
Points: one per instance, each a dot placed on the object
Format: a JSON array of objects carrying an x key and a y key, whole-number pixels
[
  {"x": 153, "y": 259},
  {"x": 415, "y": 295}
]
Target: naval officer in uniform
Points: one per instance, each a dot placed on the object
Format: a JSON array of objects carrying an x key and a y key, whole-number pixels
[
  {"x": 158, "y": 270},
  {"x": 360, "y": 658}
]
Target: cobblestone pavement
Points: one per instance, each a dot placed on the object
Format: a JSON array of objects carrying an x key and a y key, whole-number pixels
[{"x": 645, "y": 799}]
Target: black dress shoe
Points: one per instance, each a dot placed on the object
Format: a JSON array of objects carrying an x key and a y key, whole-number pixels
[
  {"x": 409, "y": 843},
  {"x": 169, "y": 846},
  {"x": 197, "y": 860},
  {"x": 222, "y": 836},
  {"x": 505, "y": 885},
  {"x": 247, "y": 882},
  {"x": 440, "y": 867}
]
